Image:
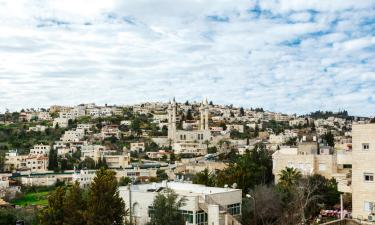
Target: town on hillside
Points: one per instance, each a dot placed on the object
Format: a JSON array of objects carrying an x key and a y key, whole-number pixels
[{"x": 218, "y": 164}]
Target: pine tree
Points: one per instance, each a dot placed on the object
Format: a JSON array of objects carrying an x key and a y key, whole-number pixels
[
  {"x": 105, "y": 207},
  {"x": 54, "y": 213},
  {"x": 52, "y": 160},
  {"x": 74, "y": 206}
]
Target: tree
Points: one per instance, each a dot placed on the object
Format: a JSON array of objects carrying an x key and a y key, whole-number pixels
[
  {"x": 165, "y": 209},
  {"x": 124, "y": 181},
  {"x": 329, "y": 139},
  {"x": 105, "y": 206},
  {"x": 263, "y": 212},
  {"x": 242, "y": 111},
  {"x": 204, "y": 177},
  {"x": 74, "y": 206},
  {"x": 161, "y": 175},
  {"x": 289, "y": 177},
  {"x": 52, "y": 160},
  {"x": 53, "y": 214},
  {"x": 135, "y": 126},
  {"x": 248, "y": 170},
  {"x": 189, "y": 115}
]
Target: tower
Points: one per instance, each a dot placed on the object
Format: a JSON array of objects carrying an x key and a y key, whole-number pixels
[
  {"x": 172, "y": 120},
  {"x": 204, "y": 115}
]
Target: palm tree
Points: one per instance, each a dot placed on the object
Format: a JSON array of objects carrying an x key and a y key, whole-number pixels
[{"x": 289, "y": 176}]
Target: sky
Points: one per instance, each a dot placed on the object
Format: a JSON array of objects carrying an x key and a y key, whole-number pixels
[{"x": 291, "y": 56}]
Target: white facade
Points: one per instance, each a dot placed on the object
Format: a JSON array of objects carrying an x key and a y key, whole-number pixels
[
  {"x": 204, "y": 205},
  {"x": 40, "y": 150}
]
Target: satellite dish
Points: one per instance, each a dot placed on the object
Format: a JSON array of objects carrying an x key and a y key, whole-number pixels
[
  {"x": 234, "y": 185},
  {"x": 226, "y": 185}
]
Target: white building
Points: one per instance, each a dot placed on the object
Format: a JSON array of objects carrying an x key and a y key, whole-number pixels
[
  {"x": 40, "y": 149},
  {"x": 204, "y": 205},
  {"x": 61, "y": 122},
  {"x": 189, "y": 139},
  {"x": 137, "y": 146}
]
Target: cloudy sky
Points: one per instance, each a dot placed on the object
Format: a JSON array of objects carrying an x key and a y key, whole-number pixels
[{"x": 292, "y": 56}]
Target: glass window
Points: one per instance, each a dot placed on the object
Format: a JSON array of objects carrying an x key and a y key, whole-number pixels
[
  {"x": 365, "y": 146},
  {"x": 201, "y": 218},
  {"x": 234, "y": 209},
  {"x": 368, "y": 176},
  {"x": 368, "y": 206},
  {"x": 188, "y": 215}
]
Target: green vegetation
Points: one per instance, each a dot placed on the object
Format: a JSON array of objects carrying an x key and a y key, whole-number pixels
[
  {"x": 9, "y": 216},
  {"x": 165, "y": 210},
  {"x": 99, "y": 205},
  {"x": 38, "y": 198}
]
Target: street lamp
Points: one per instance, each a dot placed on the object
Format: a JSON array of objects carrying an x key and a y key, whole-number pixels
[{"x": 255, "y": 215}]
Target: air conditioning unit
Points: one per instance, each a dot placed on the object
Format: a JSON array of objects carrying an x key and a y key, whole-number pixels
[{"x": 371, "y": 217}]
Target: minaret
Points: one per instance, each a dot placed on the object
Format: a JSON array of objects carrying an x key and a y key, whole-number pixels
[
  {"x": 202, "y": 118},
  {"x": 206, "y": 115},
  {"x": 172, "y": 120}
]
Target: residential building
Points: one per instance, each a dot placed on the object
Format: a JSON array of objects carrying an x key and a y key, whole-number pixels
[
  {"x": 363, "y": 170},
  {"x": 204, "y": 205}
]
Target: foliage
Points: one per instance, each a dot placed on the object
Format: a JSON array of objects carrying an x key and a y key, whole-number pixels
[
  {"x": 11, "y": 215},
  {"x": 267, "y": 209},
  {"x": 166, "y": 207},
  {"x": 74, "y": 206},
  {"x": 249, "y": 170},
  {"x": 205, "y": 178},
  {"x": 289, "y": 177},
  {"x": 53, "y": 214},
  {"x": 329, "y": 139},
  {"x": 37, "y": 198},
  {"x": 161, "y": 175},
  {"x": 100, "y": 205},
  {"x": 124, "y": 181},
  {"x": 105, "y": 206}
]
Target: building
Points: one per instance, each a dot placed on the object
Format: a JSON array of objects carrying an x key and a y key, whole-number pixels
[
  {"x": 37, "y": 163},
  {"x": 61, "y": 122},
  {"x": 110, "y": 131},
  {"x": 137, "y": 146},
  {"x": 363, "y": 170},
  {"x": 14, "y": 161},
  {"x": 182, "y": 140},
  {"x": 40, "y": 149},
  {"x": 204, "y": 205},
  {"x": 84, "y": 177},
  {"x": 307, "y": 159}
]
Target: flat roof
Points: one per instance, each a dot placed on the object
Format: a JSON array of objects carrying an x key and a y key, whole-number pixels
[{"x": 180, "y": 187}]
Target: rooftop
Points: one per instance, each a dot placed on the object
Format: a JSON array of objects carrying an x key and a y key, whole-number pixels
[{"x": 181, "y": 188}]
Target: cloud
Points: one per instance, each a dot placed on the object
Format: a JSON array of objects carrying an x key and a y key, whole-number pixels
[{"x": 278, "y": 54}]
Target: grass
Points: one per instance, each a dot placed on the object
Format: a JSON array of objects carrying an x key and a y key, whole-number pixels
[{"x": 36, "y": 198}]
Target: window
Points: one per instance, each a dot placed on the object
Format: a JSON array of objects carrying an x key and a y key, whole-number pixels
[
  {"x": 368, "y": 176},
  {"x": 201, "y": 218},
  {"x": 368, "y": 206},
  {"x": 365, "y": 146},
  {"x": 234, "y": 209},
  {"x": 322, "y": 167},
  {"x": 188, "y": 215},
  {"x": 347, "y": 166}
]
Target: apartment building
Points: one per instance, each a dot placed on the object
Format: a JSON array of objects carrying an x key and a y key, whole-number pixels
[
  {"x": 40, "y": 149},
  {"x": 204, "y": 205},
  {"x": 307, "y": 159},
  {"x": 363, "y": 170}
]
